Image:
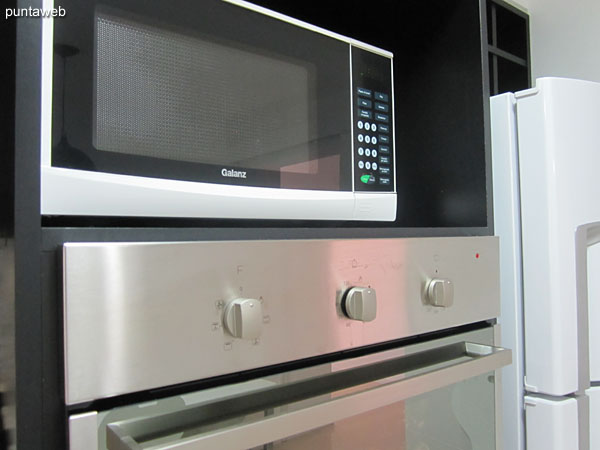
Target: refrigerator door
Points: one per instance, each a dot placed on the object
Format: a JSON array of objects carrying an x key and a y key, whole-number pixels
[
  {"x": 565, "y": 423},
  {"x": 558, "y": 136},
  {"x": 507, "y": 224},
  {"x": 552, "y": 424}
]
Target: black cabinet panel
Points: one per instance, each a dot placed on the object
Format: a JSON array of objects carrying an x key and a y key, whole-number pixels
[
  {"x": 512, "y": 77},
  {"x": 508, "y": 45},
  {"x": 511, "y": 32},
  {"x": 440, "y": 98}
]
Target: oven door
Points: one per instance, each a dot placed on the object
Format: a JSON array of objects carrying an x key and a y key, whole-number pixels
[{"x": 435, "y": 395}]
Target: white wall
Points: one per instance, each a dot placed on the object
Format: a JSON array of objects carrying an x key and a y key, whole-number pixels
[{"x": 565, "y": 38}]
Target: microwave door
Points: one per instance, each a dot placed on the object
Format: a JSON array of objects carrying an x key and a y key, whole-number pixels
[{"x": 196, "y": 109}]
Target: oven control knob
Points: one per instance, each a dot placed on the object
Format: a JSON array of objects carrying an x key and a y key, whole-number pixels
[
  {"x": 243, "y": 318},
  {"x": 440, "y": 292},
  {"x": 360, "y": 303}
]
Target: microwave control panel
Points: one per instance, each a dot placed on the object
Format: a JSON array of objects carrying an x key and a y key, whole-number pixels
[{"x": 373, "y": 125}]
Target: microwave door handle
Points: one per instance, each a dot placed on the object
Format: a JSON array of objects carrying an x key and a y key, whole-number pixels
[{"x": 476, "y": 359}]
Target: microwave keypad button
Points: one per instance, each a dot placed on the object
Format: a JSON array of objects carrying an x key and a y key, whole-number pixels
[
  {"x": 373, "y": 111},
  {"x": 364, "y": 92},
  {"x": 381, "y": 97},
  {"x": 367, "y": 179}
]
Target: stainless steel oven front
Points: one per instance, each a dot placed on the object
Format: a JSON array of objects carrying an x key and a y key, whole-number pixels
[{"x": 325, "y": 344}]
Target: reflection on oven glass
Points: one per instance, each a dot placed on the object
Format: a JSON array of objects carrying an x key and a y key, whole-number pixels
[{"x": 458, "y": 417}]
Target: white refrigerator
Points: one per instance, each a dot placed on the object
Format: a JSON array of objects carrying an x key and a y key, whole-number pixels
[{"x": 546, "y": 172}]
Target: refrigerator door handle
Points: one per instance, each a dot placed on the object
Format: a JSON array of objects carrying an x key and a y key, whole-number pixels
[
  {"x": 586, "y": 236},
  {"x": 592, "y": 233},
  {"x": 583, "y": 412},
  {"x": 460, "y": 361}
]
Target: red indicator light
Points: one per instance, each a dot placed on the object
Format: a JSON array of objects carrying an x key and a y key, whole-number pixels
[{"x": 476, "y": 255}]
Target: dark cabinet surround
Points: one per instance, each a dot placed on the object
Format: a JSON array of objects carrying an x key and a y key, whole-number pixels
[
  {"x": 508, "y": 45},
  {"x": 443, "y": 165},
  {"x": 441, "y": 104},
  {"x": 441, "y": 99}
]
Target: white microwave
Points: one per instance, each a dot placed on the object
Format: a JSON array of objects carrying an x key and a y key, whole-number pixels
[{"x": 212, "y": 109}]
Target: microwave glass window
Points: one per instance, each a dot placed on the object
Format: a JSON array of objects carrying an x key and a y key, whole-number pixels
[
  {"x": 209, "y": 93},
  {"x": 172, "y": 96}
]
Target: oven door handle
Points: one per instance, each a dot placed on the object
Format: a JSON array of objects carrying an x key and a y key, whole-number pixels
[{"x": 466, "y": 360}]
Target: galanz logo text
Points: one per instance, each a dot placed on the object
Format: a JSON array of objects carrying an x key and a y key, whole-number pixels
[{"x": 233, "y": 173}]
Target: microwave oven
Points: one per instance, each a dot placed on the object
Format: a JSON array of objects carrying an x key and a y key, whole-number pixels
[{"x": 212, "y": 109}]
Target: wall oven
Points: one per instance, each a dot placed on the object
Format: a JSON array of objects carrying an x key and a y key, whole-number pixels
[
  {"x": 324, "y": 344},
  {"x": 213, "y": 109}
]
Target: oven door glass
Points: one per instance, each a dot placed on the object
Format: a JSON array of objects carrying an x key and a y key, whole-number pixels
[
  {"x": 436, "y": 395},
  {"x": 460, "y": 416},
  {"x": 200, "y": 91}
]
